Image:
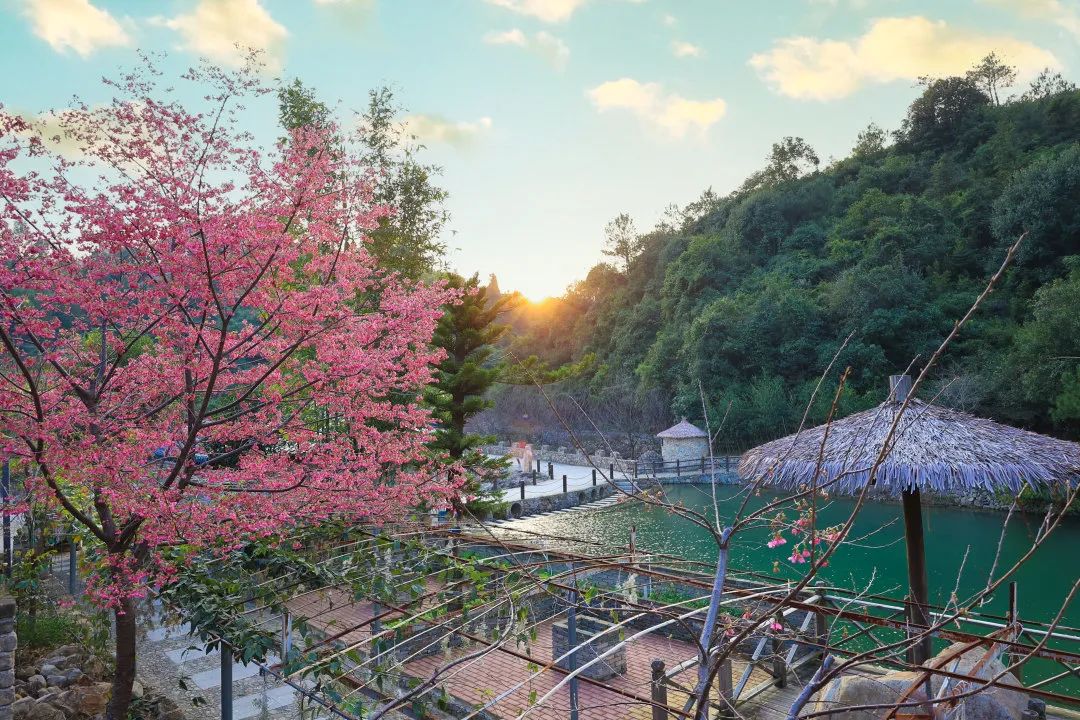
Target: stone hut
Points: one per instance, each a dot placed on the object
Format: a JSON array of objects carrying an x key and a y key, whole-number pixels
[{"x": 684, "y": 442}]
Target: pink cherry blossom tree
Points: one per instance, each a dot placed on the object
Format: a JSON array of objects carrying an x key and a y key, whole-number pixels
[{"x": 180, "y": 311}]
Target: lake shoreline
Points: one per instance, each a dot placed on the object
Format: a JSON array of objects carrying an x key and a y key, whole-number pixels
[{"x": 972, "y": 500}]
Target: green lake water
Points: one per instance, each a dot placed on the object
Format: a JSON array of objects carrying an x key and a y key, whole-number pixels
[{"x": 1043, "y": 581}]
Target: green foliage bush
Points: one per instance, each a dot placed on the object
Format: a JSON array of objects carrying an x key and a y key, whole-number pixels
[{"x": 46, "y": 631}]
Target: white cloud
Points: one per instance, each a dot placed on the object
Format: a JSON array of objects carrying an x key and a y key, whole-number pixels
[
  {"x": 79, "y": 133},
  {"x": 669, "y": 20},
  {"x": 1064, "y": 15},
  {"x": 892, "y": 49},
  {"x": 684, "y": 49},
  {"x": 544, "y": 44},
  {"x": 669, "y": 112},
  {"x": 223, "y": 30},
  {"x": 546, "y": 10},
  {"x": 437, "y": 129},
  {"x": 507, "y": 37},
  {"x": 551, "y": 11},
  {"x": 75, "y": 25}
]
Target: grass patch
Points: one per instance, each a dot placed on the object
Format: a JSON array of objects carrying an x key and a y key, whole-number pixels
[{"x": 47, "y": 631}]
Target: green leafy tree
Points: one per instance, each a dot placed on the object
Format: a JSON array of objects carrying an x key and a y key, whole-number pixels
[
  {"x": 748, "y": 296},
  {"x": 789, "y": 159},
  {"x": 1046, "y": 350},
  {"x": 1048, "y": 84},
  {"x": 871, "y": 141},
  {"x": 622, "y": 240},
  {"x": 299, "y": 107},
  {"x": 468, "y": 333},
  {"x": 1041, "y": 199},
  {"x": 937, "y": 116},
  {"x": 992, "y": 76},
  {"x": 408, "y": 241}
]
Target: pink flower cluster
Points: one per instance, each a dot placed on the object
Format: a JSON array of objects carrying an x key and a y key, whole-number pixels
[{"x": 199, "y": 349}]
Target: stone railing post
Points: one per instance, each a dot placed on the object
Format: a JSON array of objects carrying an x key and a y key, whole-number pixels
[{"x": 8, "y": 641}]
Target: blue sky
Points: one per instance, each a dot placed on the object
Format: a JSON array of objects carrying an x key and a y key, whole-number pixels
[{"x": 550, "y": 117}]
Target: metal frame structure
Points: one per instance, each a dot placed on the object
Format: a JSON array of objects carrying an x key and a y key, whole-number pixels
[{"x": 782, "y": 654}]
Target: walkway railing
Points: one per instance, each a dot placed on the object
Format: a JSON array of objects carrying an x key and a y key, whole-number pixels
[
  {"x": 703, "y": 466},
  {"x": 800, "y": 635}
]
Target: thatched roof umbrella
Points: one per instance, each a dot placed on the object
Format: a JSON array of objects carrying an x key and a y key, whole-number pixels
[{"x": 933, "y": 448}]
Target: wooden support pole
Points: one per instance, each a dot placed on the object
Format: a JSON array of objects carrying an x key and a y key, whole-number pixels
[
  {"x": 678, "y": 468},
  {"x": 594, "y": 477},
  {"x": 658, "y": 691},
  {"x": 727, "y": 690},
  {"x": 917, "y": 580},
  {"x": 779, "y": 662},
  {"x": 821, "y": 632},
  {"x": 564, "y": 483},
  {"x": 522, "y": 489},
  {"x": 1014, "y": 619},
  {"x": 551, "y": 471}
]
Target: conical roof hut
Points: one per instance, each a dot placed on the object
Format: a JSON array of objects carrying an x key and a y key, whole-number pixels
[
  {"x": 682, "y": 430},
  {"x": 933, "y": 448}
]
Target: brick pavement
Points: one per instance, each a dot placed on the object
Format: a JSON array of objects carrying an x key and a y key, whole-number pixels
[{"x": 478, "y": 681}]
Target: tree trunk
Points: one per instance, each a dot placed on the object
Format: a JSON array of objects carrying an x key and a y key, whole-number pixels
[{"x": 124, "y": 676}]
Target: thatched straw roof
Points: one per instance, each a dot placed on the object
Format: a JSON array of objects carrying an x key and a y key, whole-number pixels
[
  {"x": 681, "y": 431},
  {"x": 934, "y": 448}
]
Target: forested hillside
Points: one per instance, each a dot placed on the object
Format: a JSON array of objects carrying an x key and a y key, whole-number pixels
[{"x": 751, "y": 294}]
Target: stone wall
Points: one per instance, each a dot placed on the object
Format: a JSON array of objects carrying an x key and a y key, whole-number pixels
[
  {"x": 561, "y": 501},
  {"x": 569, "y": 456},
  {"x": 686, "y": 449},
  {"x": 8, "y": 642}
]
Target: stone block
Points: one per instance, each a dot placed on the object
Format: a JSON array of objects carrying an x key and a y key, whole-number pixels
[
  {"x": 21, "y": 708},
  {"x": 36, "y": 684},
  {"x": 8, "y": 642},
  {"x": 7, "y": 679},
  {"x": 44, "y": 711},
  {"x": 7, "y": 608},
  {"x": 855, "y": 690}
]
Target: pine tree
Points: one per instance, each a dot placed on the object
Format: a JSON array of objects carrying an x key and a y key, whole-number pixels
[{"x": 467, "y": 332}]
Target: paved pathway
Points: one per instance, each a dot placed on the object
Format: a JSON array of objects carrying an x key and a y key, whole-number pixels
[
  {"x": 167, "y": 654},
  {"x": 577, "y": 478}
]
